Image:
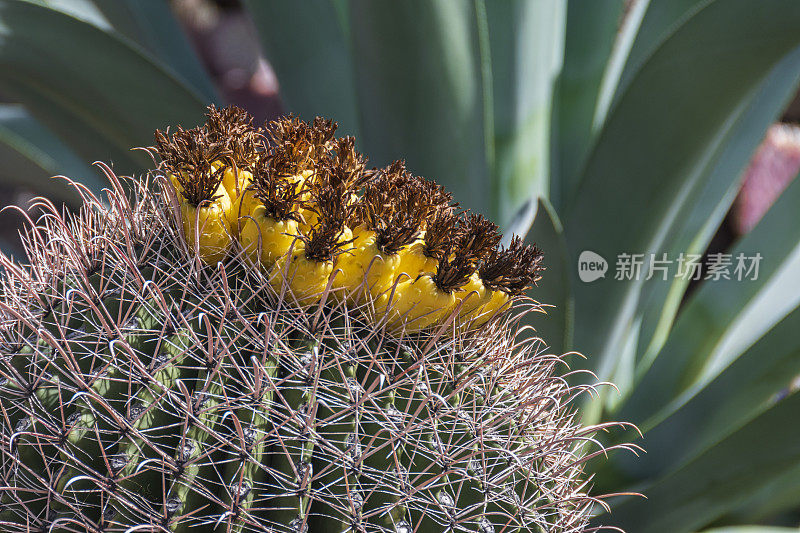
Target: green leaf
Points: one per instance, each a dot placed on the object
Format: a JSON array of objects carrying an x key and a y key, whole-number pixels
[
  {"x": 308, "y": 46},
  {"x": 713, "y": 483},
  {"x": 461, "y": 90},
  {"x": 591, "y": 30},
  {"x": 752, "y": 529},
  {"x": 659, "y": 21},
  {"x": 725, "y": 317},
  {"x": 780, "y": 495},
  {"x": 100, "y": 104},
  {"x": 526, "y": 42},
  {"x": 31, "y": 155},
  {"x": 85, "y": 10},
  {"x": 418, "y": 80},
  {"x": 554, "y": 327},
  {"x": 404, "y": 76},
  {"x": 152, "y": 25},
  {"x": 702, "y": 216},
  {"x": 646, "y": 26},
  {"x": 628, "y": 31},
  {"x": 662, "y": 165},
  {"x": 736, "y": 332},
  {"x": 742, "y": 392},
  {"x": 706, "y": 205}
]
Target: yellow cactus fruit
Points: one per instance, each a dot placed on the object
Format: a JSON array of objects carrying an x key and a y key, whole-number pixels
[
  {"x": 414, "y": 262},
  {"x": 390, "y": 215},
  {"x": 297, "y": 149},
  {"x": 505, "y": 273},
  {"x": 242, "y": 146},
  {"x": 494, "y": 304},
  {"x": 305, "y": 181},
  {"x": 432, "y": 298},
  {"x": 473, "y": 296},
  {"x": 418, "y": 304},
  {"x": 187, "y": 159},
  {"x": 476, "y": 237},
  {"x": 364, "y": 258},
  {"x": 206, "y": 227},
  {"x": 256, "y": 208},
  {"x": 344, "y": 168},
  {"x": 308, "y": 270},
  {"x": 302, "y": 205},
  {"x": 268, "y": 214},
  {"x": 231, "y": 129},
  {"x": 236, "y": 181},
  {"x": 265, "y": 239},
  {"x": 307, "y": 279},
  {"x": 422, "y": 256}
]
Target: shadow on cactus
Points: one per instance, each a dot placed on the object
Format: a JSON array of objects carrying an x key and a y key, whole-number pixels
[{"x": 280, "y": 339}]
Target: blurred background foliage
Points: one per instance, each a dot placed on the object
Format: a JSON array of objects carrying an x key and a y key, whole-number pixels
[{"x": 598, "y": 125}]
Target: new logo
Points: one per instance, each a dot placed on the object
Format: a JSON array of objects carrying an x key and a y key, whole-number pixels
[{"x": 591, "y": 266}]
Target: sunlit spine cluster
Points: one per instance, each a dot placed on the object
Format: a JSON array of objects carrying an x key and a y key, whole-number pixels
[{"x": 302, "y": 205}]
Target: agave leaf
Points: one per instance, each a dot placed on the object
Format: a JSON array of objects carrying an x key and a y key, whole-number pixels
[
  {"x": 99, "y": 104},
  {"x": 743, "y": 391},
  {"x": 554, "y": 292},
  {"x": 716, "y": 481},
  {"x": 412, "y": 67},
  {"x": 590, "y": 34},
  {"x": 700, "y": 214},
  {"x": 152, "y": 25},
  {"x": 646, "y": 26},
  {"x": 628, "y": 31},
  {"x": 308, "y": 45},
  {"x": 705, "y": 208},
  {"x": 85, "y": 10},
  {"x": 664, "y": 163},
  {"x": 725, "y": 317},
  {"x": 526, "y": 44},
  {"x": 31, "y": 155},
  {"x": 780, "y": 495},
  {"x": 703, "y": 215},
  {"x": 741, "y": 381},
  {"x": 659, "y": 21},
  {"x": 462, "y": 90},
  {"x": 751, "y": 529},
  {"x": 418, "y": 80}
]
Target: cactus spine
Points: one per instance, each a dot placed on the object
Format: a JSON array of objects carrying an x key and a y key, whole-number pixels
[{"x": 264, "y": 335}]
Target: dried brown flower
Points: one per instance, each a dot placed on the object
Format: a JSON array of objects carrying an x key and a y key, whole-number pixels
[
  {"x": 188, "y": 156},
  {"x": 512, "y": 269},
  {"x": 280, "y": 196}
]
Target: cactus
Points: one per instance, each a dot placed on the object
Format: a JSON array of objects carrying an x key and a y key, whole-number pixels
[{"x": 264, "y": 335}]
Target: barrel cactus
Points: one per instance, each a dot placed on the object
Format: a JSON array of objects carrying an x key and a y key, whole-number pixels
[{"x": 266, "y": 335}]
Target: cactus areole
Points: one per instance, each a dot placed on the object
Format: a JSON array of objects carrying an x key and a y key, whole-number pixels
[{"x": 263, "y": 334}]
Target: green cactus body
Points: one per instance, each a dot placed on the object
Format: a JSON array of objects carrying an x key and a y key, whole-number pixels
[
  {"x": 143, "y": 388},
  {"x": 246, "y": 472},
  {"x": 383, "y": 496}
]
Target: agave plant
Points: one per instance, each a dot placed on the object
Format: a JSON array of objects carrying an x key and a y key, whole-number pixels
[{"x": 615, "y": 137}]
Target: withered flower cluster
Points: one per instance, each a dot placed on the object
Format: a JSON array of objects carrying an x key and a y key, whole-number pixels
[{"x": 296, "y": 178}]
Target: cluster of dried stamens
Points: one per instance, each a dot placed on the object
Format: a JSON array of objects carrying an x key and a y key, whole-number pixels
[{"x": 303, "y": 204}]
